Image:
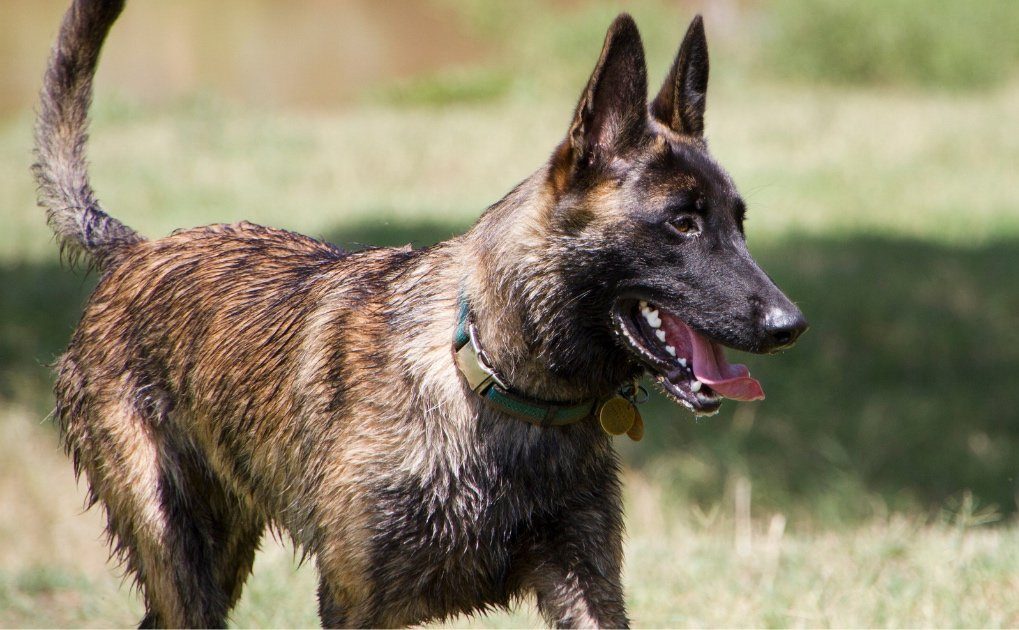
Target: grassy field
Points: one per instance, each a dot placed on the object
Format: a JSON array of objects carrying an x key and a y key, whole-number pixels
[
  {"x": 877, "y": 484},
  {"x": 685, "y": 567}
]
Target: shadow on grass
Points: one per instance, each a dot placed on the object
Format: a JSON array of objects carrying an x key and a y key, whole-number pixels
[
  {"x": 40, "y": 304},
  {"x": 904, "y": 390}
]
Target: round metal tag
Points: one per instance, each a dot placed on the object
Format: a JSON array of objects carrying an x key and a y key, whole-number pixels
[
  {"x": 636, "y": 432},
  {"x": 617, "y": 415}
]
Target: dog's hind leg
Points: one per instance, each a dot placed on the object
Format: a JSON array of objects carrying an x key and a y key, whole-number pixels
[
  {"x": 209, "y": 549},
  {"x": 232, "y": 561},
  {"x": 188, "y": 546},
  {"x": 213, "y": 538}
]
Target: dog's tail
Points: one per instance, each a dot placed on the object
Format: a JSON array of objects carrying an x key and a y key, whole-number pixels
[{"x": 60, "y": 169}]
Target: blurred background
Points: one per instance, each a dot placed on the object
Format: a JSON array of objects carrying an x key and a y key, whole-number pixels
[{"x": 876, "y": 143}]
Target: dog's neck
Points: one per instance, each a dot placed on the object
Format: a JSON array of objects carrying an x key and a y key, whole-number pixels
[{"x": 524, "y": 314}]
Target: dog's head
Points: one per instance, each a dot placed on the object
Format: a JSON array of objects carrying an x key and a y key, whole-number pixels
[{"x": 649, "y": 229}]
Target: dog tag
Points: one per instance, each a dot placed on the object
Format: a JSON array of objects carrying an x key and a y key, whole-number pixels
[
  {"x": 636, "y": 432},
  {"x": 617, "y": 415}
]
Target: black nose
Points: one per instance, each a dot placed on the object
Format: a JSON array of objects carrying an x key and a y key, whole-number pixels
[{"x": 782, "y": 327}]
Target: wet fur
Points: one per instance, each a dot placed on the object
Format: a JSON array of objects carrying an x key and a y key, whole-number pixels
[{"x": 231, "y": 378}]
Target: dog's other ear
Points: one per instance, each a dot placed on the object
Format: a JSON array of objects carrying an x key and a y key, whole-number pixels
[
  {"x": 611, "y": 114},
  {"x": 681, "y": 101}
]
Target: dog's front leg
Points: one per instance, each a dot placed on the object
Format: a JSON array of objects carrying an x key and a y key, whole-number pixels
[
  {"x": 575, "y": 576},
  {"x": 577, "y": 598}
]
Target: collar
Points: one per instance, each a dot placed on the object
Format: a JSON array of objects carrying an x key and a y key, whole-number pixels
[{"x": 473, "y": 364}]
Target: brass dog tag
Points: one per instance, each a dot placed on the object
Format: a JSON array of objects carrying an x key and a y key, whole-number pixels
[
  {"x": 636, "y": 432},
  {"x": 617, "y": 415}
]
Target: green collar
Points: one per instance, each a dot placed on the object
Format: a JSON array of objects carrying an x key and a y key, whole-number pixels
[{"x": 473, "y": 364}]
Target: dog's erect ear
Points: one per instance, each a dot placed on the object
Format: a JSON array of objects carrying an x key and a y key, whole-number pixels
[
  {"x": 611, "y": 114},
  {"x": 680, "y": 103}
]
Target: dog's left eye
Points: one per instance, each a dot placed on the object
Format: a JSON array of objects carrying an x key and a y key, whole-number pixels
[{"x": 685, "y": 225}]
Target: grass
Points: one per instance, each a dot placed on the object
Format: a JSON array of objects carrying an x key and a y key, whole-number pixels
[
  {"x": 907, "y": 217},
  {"x": 842, "y": 162},
  {"x": 939, "y": 45},
  {"x": 685, "y": 566},
  {"x": 877, "y": 484}
]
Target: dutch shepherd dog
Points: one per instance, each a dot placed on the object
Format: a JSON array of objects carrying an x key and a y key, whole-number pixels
[{"x": 432, "y": 426}]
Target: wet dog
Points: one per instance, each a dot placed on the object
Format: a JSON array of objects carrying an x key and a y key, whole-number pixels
[{"x": 432, "y": 426}]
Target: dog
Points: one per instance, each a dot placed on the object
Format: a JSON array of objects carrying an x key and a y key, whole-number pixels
[{"x": 432, "y": 426}]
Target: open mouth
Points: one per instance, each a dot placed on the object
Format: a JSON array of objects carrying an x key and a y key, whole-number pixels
[{"x": 690, "y": 368}]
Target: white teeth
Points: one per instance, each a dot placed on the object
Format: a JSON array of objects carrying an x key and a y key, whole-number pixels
[
  {"x": 696, "y": 386},
  {"x": 681, "y": 360},
  {"x": 672, "y": 351},
  {"x": 660, "y": 334},
  {"x": 652, "y": 318}
]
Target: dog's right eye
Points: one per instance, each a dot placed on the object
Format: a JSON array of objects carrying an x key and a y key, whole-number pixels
[{"x": 685, "y": 225}]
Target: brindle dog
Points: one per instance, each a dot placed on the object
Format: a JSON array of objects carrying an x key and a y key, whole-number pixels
[{"x": 230, "y": 378}]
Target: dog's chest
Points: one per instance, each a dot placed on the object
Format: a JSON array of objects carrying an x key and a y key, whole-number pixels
[{"x": 456, "y": 535}]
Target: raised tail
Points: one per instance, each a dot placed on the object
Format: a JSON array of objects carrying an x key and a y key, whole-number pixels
[{"x": 72, "y": 210}]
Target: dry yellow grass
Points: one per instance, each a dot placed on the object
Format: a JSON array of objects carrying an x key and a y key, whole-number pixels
[{"x": 684, "y": 568}]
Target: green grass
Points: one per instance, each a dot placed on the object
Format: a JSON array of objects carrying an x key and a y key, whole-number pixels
[
  {"x": 829, "y": 162},
  {"x": 880, "y": 473},
  {"x": 895, "y": 232},
  {"x": 940, "y": 45},
  {"x": 685, "y": 567}
]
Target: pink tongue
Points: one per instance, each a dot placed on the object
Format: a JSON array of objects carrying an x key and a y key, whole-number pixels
[{"x": 709, "y": 364}]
